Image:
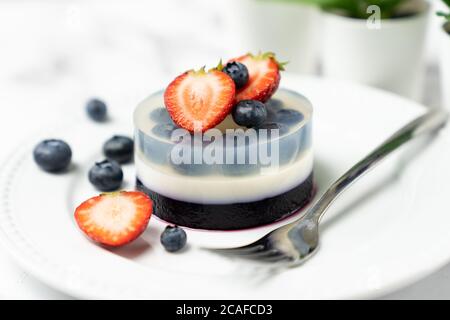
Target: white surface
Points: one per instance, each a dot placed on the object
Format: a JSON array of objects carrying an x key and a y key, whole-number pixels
[
  {"x": 389, "y": 58},
  {"x": 48, "y": 70},
  {"x": 378, "y": 221}
]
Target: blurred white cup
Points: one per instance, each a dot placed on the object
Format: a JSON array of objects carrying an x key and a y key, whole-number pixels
[
  {"x": 445, "y": 65},
  {"x": 389, "y": 56},
  {"x": 284, "y": 27}
]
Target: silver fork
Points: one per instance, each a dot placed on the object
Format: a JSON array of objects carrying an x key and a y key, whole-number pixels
[{"x": 295, "y": 242}]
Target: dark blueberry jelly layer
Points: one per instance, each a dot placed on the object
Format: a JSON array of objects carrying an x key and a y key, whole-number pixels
[{"x": 230, "y": 216}]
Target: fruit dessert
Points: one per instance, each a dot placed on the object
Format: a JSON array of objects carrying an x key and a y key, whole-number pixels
[{"x": 225, "y": 149}]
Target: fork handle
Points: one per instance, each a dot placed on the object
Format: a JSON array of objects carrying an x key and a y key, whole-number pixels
[{"x": 430, "y": 122}]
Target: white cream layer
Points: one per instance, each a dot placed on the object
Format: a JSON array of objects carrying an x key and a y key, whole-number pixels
[{"x": 220, "y": 189}]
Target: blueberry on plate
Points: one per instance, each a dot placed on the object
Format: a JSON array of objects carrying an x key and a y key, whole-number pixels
[
  {"x": 106, "y": 175},
  {"x": 119, "y": 148},
  {"x": 160, "y": 115},
  {"x": 238, "y": 72},
  {"x": 173, "y": 238},
  {"x": 288, "y": 116},
  {"x": 96, "y": 109},
  {"x": 249, "y": 113},
  {"x": 164, "y": 130},
  {"x": 52, "y": 155}
]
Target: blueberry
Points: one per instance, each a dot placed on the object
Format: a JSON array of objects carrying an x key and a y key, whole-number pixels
[
  {"x": 153, "y": 149},
  {"x": 289, "y": 147},
  {"x": 190, "y": 169},
  {"x": 238, "y": 72},
  {"x": 52, "y": 155},
  {"x": 249, "y": 113},
  {"x": 237, "y": 167},
  {"x": 288, "y": 116},
  {"x": 173, "y": 238},
  {"x": 160, "y": 115},
  {"x": 119, "y": 148},
  {"x": 164, "y": 130},
  {"x": 273, "y": 125},
  {"x": 96, "y": 110},
  {"x": 106, "y": 175},
  {"x": 274, "y": 104}
]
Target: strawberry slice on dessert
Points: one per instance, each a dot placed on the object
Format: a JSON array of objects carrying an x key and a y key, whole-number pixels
[
  {"x": 200, "y": 100},
  {"x": 116, "y": 218},
  {"x": 264, "y": 76}
]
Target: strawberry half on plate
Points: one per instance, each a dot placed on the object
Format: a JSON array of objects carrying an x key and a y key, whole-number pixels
[
  {"x": 116, "y": 218},
  {"x": 200, "y": 100},
  {"x": 264, "y": 76}
]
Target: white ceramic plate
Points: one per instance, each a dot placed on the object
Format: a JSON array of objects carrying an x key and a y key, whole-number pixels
[{"x": 389, "y": 230}]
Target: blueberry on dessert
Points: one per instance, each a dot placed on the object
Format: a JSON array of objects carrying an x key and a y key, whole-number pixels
[
  {"x": 274, "y": 105},
  {"x": 238, "y": 72},
  {"x": 249, "y": 113},
  {"x": 52, "y": 155},
  {"x": 160, "y": 115},
  {"x": 96, "y": 110},
  {"x": 106, "y": 175},
  {"x": 173, "y": 238},
  {"x": 164, "y": 130},
  {"x": 282, "y": 128},
  {"x": 114, "y": 219},
  {"x": 288, "y": 116},
  {"x": 188, "y": 168},
  {"x": 119, "y": 148},
  {"x": 244, "y": 158}
]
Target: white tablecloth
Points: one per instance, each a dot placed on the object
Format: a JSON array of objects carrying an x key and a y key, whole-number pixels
[{"x": 56, "y": 54}]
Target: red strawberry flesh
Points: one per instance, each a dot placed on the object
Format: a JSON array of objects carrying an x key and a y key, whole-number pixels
[
  {"x": 264, "y": 77},
  {"x": 114, "y": 219},
  {"x": 199, "y": 100}
]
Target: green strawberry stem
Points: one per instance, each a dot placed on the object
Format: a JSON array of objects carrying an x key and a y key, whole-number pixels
[{"x": 269, "y": 55}]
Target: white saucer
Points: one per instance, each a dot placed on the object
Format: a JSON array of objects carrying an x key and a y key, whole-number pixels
[{"x": 389, "y": 230}]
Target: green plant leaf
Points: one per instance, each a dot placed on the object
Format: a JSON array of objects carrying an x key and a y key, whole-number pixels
[
  {"x": 355, "y": 8},
  {"x": 443, "y": 14}
]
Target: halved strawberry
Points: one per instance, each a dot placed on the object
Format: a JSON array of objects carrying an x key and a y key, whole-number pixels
[
  {"x": 200, "y": 100},
  {"x": 116, "y": 218},
  {"x": 264, "y": 76}
]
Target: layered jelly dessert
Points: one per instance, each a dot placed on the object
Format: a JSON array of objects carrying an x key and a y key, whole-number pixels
[{"x": 250, "y": 166}]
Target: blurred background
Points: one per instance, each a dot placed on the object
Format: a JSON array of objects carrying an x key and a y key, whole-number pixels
[
  {"x": 62, "y": 52},
  {"x": 56, "y": 54}
]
